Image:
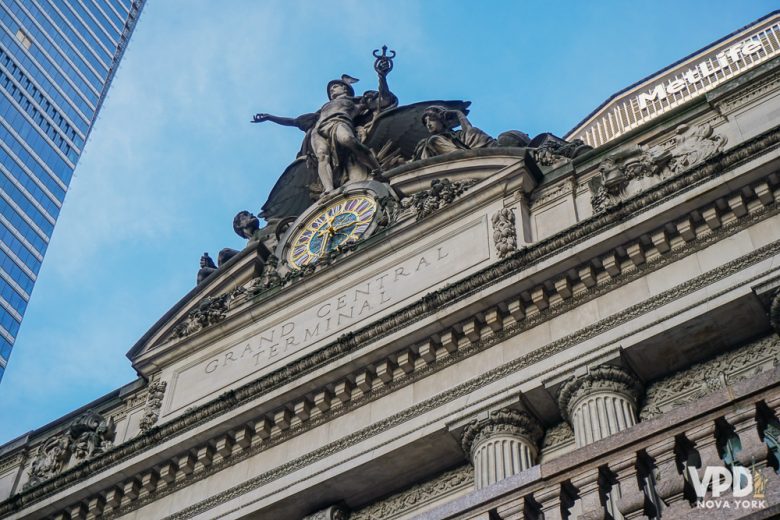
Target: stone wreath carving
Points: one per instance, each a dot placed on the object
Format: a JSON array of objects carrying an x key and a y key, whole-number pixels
[
  {"x": 704, "y": 378},
  {"x": 154, "y": 399},
  {"x": 330, "y": 513},
  {"x": 504, "y": 232},
  {"x": 88, "y": 436},
  {"x": 635, "y": 169},
  {"x": 441, "y": 193},
  {"x": 501, "y": 421},
  {"x": 602, "y": 378}
]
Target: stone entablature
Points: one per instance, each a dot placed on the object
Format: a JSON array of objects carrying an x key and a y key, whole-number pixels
[
  {"x": 481, "y": 327},
  {"x": 480, "y": 311}
]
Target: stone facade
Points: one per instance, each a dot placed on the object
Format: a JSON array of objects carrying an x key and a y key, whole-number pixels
[{"x": 540, "y": 330}]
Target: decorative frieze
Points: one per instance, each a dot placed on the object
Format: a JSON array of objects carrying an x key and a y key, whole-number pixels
[
  {"x": 419, "y": 495},
  {"x": 712, "y": 375},
  {"x": 600, "y": 404},
  {"x": 502, "y": 445}
]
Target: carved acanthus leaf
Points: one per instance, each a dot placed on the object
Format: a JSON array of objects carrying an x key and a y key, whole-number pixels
[
  {"x": 602, "y": 378},
  {"x": 506, "y": 420}
]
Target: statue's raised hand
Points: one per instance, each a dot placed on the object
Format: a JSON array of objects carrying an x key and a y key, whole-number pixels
[{"x": 260, "y": 118}]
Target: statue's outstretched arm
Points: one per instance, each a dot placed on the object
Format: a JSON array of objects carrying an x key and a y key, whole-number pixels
[{"x": 303, "y": 122}]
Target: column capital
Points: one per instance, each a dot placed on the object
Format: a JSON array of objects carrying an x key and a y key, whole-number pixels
[
  {"x": 505, "y": 421},
  {"x": 330, "y": 513},
  {"x": 604, "y": 378}
]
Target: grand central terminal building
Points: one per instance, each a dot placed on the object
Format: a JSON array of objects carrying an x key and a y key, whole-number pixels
[{"x": 431, "y": 322}]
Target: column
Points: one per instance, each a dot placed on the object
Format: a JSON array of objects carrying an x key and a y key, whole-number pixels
[
  {"x": 600, "y": 404},
  {"x": 502, "y": 445},
  {"x": 330, "y": 513}
]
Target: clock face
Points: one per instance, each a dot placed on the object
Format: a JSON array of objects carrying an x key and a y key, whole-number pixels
[{"x": 342, "y": 221}]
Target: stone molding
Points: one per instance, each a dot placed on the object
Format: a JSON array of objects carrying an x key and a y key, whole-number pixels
[
  {"x": 419, "y": 495},
  {"x": 604, "y": 378},
  {"x": 755, "y": 90},
  {"x": 231, "y": 398},
  {"x": 505, "y": 422},
  {"x": 704, "y": 378}
]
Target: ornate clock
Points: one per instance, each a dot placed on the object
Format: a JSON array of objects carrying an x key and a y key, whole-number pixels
[{"x": 343, "y": 220}]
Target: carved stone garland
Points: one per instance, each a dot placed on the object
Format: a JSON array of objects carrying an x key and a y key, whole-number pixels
[
  {"x": 153, "y": 404},
  {"x": 502, "y": 445},
  {"x": 504, "y": 232},
  {"x": 600, "y": 404},
  {"x": 441, "y": 193}
]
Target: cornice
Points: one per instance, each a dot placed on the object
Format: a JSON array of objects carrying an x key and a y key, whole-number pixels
[{"x": 430, "y": 303}]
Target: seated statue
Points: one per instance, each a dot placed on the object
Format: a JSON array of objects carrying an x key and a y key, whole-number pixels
[
  {"x": 440, "y": 122},
  {"x": 207, "y": 267}
]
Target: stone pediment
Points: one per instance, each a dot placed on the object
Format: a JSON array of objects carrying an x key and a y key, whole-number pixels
[
  {"x": 247, "y": 319},
  {"x": 203, "y": 306}
]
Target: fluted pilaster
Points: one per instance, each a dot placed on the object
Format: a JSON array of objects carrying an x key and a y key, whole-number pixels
[
  {"x": 600, "y": 404},
  {"x": 502, "y": 445}
]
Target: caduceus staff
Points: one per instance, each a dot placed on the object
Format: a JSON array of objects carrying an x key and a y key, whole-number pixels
[{"x": 383, "y": 64}]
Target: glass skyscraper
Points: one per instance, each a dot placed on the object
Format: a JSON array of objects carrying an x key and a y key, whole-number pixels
[{"x": 57, "y": 59}]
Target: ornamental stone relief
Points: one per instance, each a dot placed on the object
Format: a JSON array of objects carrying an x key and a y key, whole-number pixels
[
  {"x": 156, "y": 391},
  {"x": 707, "y": 377},
  {"x": 504, "y": 232},
  {"x": 631, "y": 171},
  {"x": 441, "y": 193},
  {"x": 88, "y": 436},
  {"x": 401, "y": 504}
]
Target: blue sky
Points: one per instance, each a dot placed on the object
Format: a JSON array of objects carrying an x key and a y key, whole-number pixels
[{"x": 173, "y": 156}]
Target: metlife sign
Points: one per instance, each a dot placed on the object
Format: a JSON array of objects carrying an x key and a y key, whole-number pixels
[{"x": 683, "y": 81}]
